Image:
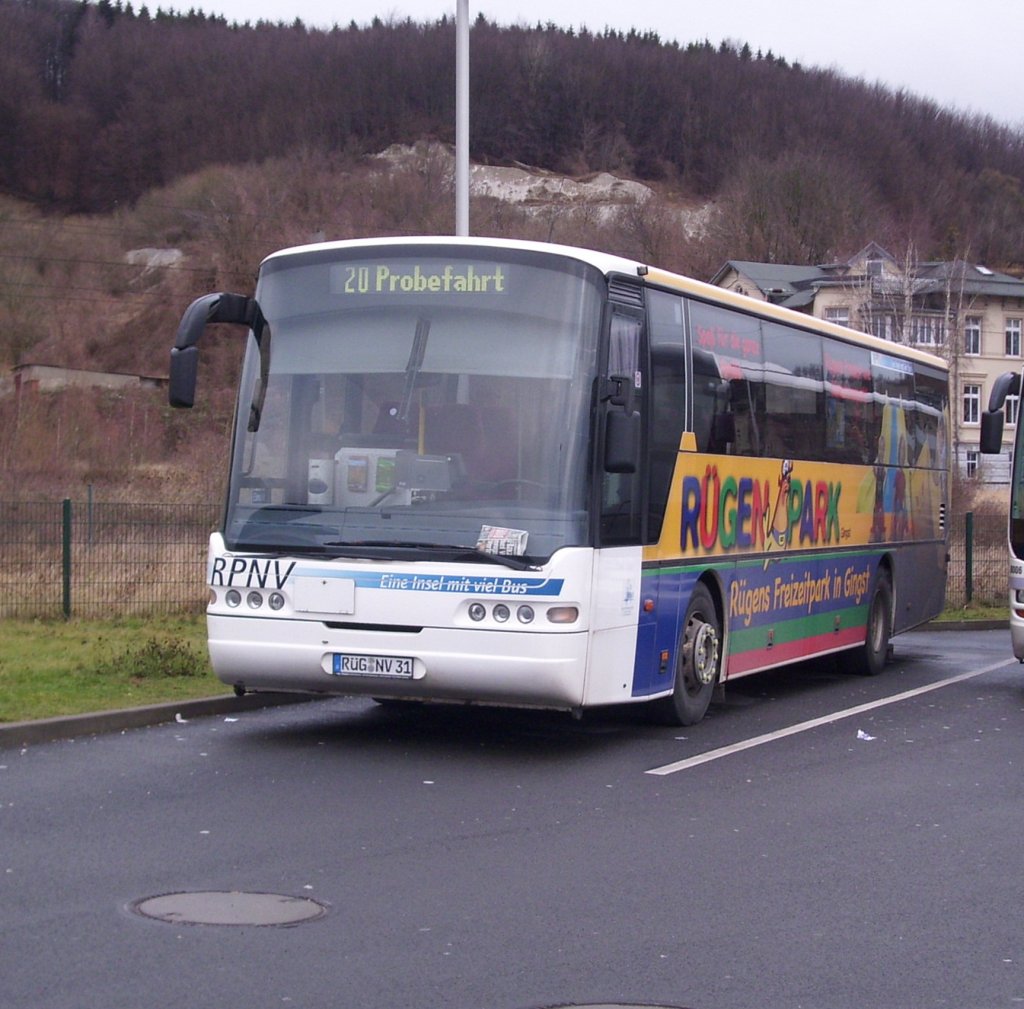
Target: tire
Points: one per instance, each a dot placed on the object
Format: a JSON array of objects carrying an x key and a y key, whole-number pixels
[
  {"x": 698, "y": 663},
  {"x": 869, "y": 658}
]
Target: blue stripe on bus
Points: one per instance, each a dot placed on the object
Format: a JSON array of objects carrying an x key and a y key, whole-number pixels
[{"x": 410, "y": 581}]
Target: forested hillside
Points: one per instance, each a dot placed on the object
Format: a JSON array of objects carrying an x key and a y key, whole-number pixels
[
  {"x": 99, "y": 103},
  {"x": 148, "y": 158}
]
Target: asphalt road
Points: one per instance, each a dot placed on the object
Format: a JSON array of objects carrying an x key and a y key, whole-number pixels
[{"x": 844, "y": 842}]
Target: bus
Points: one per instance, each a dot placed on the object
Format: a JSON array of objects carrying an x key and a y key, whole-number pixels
[
  {"x": 521, "y": 474},
  {"x": 1009, "y": 384}
]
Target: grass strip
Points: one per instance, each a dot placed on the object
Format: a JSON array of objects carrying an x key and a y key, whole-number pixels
[{"x": 50, "y": 668}]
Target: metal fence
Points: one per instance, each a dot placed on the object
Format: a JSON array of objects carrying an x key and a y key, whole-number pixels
[
  {"x": 99, "y": 560},
  {"x": 978, "y": 559}
]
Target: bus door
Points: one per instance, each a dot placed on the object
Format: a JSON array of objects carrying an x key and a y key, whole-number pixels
[{"x": 617, "y": 562}]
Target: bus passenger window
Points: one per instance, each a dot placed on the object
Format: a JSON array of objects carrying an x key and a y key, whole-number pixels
[
  {"x": 667, "y": 419},
  {"x": 733, "y": 340},
  {"x": 794, "y": 394},
  {"x": 850, "y": 431}
]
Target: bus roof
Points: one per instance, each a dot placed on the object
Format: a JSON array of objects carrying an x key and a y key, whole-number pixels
[{"x": 610, "y": 264}]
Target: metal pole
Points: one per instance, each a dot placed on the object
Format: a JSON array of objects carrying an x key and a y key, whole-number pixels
[
  {"x": 462, "y": 118},
  {"x": 969, "y": 556},
  {"x": 66, "y": 558}
]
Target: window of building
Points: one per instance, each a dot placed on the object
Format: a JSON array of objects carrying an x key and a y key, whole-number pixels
[
  {"x": 926, "y": 330},
  {"x": 971, "y": 462},
  {"x": 1013, "y": 328},
  {"x": 882, "y": 326},
  {"x": 972, "y": 335},
  {"x": 1012, "y": 409},
  {"x": 972, "y": 403},
  {"x": 840, "y": 315}
]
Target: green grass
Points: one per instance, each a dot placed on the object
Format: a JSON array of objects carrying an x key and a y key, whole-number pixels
[
  {"x": 53, "y": 667},
  {"x": 977, "y": 611}
]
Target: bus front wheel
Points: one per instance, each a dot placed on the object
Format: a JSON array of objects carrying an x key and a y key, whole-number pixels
[
  {"x": 869, "y": 659},
  {"x": 698, "y": 661}
]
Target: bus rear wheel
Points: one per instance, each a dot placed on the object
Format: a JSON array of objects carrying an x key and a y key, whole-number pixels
[
  {"x": 869, "y": 659},
  {"x": 698, "y": 661}
]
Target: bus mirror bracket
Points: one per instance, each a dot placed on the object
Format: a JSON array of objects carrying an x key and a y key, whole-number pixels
[
  {"x": 1005, "y": 385},
  {"x": 210, "y": 308},
  {"x": 619, "y": 391}
]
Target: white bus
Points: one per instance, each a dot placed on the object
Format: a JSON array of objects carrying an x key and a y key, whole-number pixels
[
  {"x": 991, "y": 444},
  {"x": 521, "y": 474}
]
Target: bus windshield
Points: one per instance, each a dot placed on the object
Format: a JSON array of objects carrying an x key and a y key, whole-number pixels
[
  {"x": 428, "y": 401},
  {"x": 1017, "y": 495}
]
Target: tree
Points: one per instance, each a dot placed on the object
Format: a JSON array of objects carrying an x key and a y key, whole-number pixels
[{"x": 797, "y": 208}]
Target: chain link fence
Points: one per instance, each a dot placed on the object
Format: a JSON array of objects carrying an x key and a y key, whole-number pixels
[{"x": 104, "y": 560}]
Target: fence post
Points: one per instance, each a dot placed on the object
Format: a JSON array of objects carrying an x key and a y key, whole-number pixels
[
  {"x": 66, "y": 557},
  {"x": 969, "y": 555}
]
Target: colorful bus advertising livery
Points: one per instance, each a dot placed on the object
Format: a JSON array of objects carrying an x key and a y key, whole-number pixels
[{"x": 512, "y": 473}]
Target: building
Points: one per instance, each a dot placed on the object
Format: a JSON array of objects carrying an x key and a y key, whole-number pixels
[
  {"x": 968, "y": 314},
  {"x": 54, "y": 378}
]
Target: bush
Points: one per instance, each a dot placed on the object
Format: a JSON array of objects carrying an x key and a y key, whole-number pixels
[{"x": 154, "y": 659}]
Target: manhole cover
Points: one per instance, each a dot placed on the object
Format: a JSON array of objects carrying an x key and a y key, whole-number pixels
[{"x": 219, "y": 907}]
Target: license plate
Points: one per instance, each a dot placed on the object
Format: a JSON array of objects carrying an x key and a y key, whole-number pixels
[{"x": 372, "y": 665}]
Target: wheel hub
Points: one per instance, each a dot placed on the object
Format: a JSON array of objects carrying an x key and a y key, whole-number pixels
[{"x": 705, "y": 653}]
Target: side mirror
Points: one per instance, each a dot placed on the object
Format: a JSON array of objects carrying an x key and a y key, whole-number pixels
[
  {"x": 621, "y": 442},
  {"x": 181, "y": 389},
  {"x": 991, "y": 432}
]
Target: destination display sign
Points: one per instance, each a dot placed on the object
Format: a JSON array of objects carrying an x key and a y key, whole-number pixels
[{"x": 417, "y": 278}]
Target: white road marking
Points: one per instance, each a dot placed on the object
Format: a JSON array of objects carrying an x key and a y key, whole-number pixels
[{"x": 792, "y": 730}]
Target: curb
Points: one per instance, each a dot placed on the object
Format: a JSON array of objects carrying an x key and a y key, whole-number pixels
[
  {"x": 48, "y": 730},
  {"x": 966, "y": 625}
]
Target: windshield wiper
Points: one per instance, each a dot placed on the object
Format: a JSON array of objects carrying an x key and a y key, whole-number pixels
[
  {"x": 515, "y": 563},
  {"x": 412, "y": 369},
  {"x": 455, "y": 552}
]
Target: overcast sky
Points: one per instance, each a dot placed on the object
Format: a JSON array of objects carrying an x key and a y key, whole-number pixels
[{"x": 959, "y": 54}]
